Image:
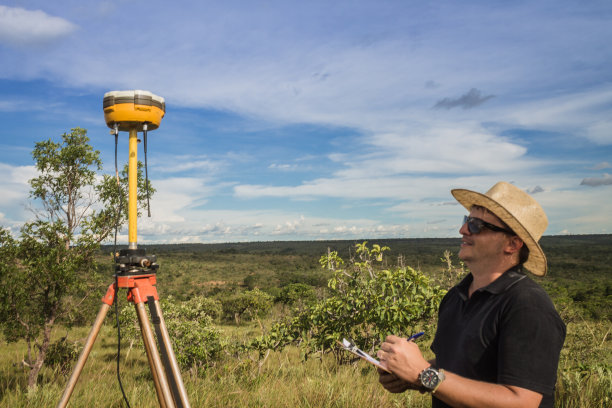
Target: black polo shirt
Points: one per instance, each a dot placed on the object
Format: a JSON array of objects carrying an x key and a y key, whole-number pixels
[{"x": 507, "y": 333}]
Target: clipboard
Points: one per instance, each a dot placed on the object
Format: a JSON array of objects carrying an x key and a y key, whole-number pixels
[{"x": 350, "y": 345}]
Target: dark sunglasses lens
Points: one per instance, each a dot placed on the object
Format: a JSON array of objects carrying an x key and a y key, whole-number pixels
[{"x": 473, "y": 225}]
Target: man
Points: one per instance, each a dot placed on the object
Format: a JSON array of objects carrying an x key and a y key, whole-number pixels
[{"x": 499, "y": 336}]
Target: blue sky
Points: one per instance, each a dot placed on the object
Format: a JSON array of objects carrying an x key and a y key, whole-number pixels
[{"x": 293, "y": 120}]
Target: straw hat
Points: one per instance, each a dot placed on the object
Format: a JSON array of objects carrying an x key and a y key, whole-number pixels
[{"x": 519, "y": 211}]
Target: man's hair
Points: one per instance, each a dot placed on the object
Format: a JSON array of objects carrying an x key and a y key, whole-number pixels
[{"x": 523, "y": 254}]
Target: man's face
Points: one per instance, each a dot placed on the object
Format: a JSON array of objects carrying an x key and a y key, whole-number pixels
[{"x": 487, "y": 245}]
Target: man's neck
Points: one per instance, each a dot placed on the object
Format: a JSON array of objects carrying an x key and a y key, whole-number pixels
[{"x": 483, "y": 275}]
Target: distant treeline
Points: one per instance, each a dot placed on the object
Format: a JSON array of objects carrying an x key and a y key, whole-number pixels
[{"x": 558, "y": 248}]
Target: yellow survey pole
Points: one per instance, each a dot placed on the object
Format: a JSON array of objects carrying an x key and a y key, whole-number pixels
[{"x": 133, "y": 189}]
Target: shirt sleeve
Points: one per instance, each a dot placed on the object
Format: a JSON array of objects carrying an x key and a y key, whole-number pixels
[{"x": 530, "y": 341}]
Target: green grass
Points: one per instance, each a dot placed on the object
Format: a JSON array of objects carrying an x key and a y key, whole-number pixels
[
  {"x": 283, "y": 379},
  {"x": 579, "y": 283}
]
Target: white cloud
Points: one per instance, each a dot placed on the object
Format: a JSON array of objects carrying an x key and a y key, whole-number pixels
[
  {"x": 602, "y": 165},
  {"x": 584, "y": 113},
  {"x": 21, "y": 27},
  {"x": 375, "y": 68},
  {"x": 399, "y": 166},
  {"x": 187, "y": 163},
  {"x": 600, "y": 132},
  {"x": 283, "y": 166},
  {"x": 175, "y": 196},
  {"x": 572, "y": 210},
  {"x": 14, "y": 190}
]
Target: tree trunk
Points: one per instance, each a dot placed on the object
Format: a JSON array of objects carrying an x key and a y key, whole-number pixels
[{"x": 41, "y": 354}]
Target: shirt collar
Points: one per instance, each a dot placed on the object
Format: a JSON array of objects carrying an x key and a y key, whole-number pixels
[{"x": 499, "y": 285}]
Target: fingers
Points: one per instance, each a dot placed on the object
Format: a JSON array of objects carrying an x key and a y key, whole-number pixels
[
  {"x": 392, "y": 383},
  {"x": 390, "y": 341},
  {"x": 393, "y": 339}
]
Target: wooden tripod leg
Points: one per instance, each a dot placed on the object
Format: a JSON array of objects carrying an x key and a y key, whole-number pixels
[
  {"x": 164, "y": 395},
  {"x": 176, "y": 373},
  {"x": 83, "y": 357}
]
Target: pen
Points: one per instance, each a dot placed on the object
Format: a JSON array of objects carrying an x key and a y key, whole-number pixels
[{"x": 415, "y": 336}]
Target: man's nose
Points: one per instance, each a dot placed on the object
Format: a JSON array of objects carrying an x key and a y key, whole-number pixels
[{"x": 464, "y": 229}]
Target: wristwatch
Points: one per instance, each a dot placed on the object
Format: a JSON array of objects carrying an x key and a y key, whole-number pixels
[{"x": 431, "y": 378}]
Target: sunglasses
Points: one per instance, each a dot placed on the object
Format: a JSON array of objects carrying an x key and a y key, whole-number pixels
[{"x": 475, "y": 226}]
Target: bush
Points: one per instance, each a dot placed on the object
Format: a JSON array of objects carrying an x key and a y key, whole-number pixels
[
  {"x": 311, "y": 278},
  {"x": 295, "y": 293},
  {"x": 367, "y": 303},
  {"x": 196, "y": 342},
  {"x": 62, "y": 354},
  {"x": 246, "y": 305},
  {"x": 256, "y": 281},
  {"x": 199, "y": 306}
]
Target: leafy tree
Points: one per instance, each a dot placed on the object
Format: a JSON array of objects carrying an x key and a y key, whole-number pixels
[
  {"x": 367, "y": 302},
  {"x": 74, "y": 211}
]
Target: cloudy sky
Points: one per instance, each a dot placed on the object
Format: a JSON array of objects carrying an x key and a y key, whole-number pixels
[{"x": 304, "y": 120}]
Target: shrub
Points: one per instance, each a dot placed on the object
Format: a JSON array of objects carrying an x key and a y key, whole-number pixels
[
  {"x": 311, "y": 278},
  {"x": 196, "y": 342},
  {"x": 246, "y": 305},
  {"x": 367, "y": 303},
  {"x": 256, "y": 280},
  {"x": 296, "y": 293},
  {"x": 62, "y": 354},
  {"x": 199, "y": 306}
]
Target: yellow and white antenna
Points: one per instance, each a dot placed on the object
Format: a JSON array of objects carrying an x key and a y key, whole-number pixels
[{"x": 132, "y": 109}]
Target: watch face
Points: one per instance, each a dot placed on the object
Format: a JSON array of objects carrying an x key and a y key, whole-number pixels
[{"x": 430, "y": 378}]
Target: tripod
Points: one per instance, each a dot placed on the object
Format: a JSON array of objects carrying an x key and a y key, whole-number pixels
[{"x": 134, "y": 270}]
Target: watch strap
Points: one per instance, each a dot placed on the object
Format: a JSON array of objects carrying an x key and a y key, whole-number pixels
[{"x": 441, "y": 377}]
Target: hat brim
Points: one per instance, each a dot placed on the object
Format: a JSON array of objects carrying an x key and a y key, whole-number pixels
[{"x": 536, "y": 263}]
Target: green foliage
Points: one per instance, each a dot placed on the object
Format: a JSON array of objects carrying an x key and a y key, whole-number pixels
[
  {"x": 296, "y": 293},
  {"x": 585, "y": 367},
  {"x": 578, "y": 265},
  {"x": 62, "y": 354},
  {"x": 199, "y": 306},
  {"x": 46, "y": 269},
  {"x": 366, "y": 302},
  {"x": 196, "y": 342},
  {"x": 256, "y": 281},
  {"x": 311, "y": 277},
  {"x": 246, "y": 305},
  {"x": 38, "y": 272}
]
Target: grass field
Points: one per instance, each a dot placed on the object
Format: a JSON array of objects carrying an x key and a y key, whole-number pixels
[{"x": 580, "y": 284}]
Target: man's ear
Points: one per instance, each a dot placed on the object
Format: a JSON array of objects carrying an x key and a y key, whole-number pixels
[{"x": 514, "y": 245}]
